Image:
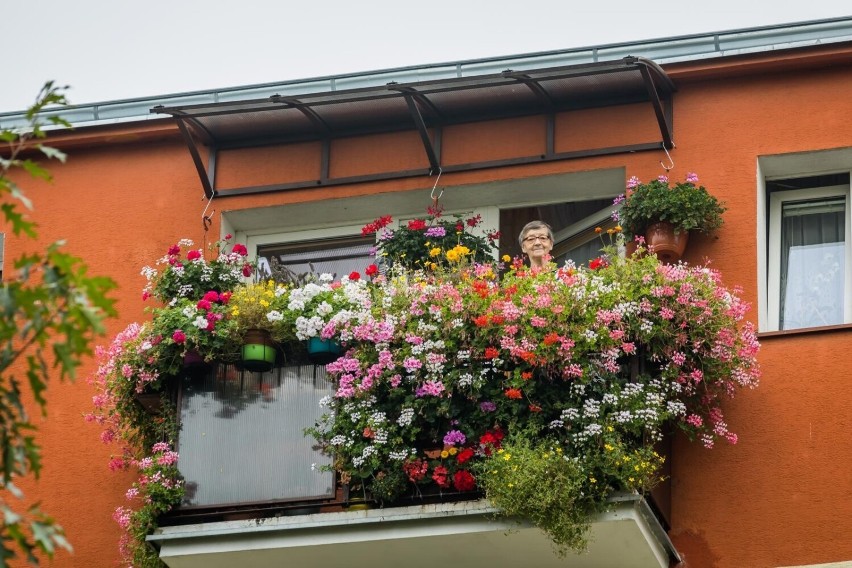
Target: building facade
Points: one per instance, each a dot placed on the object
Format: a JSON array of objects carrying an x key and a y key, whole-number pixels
[{"x": 762, "y": 115}]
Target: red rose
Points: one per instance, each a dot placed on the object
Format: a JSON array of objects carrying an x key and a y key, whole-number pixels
[
  {"x": 464, "y": 481},
  {"x": 354, "y": 276},
  {"x": 371, "y": 270},
  {"x": 193, "y": 255}
]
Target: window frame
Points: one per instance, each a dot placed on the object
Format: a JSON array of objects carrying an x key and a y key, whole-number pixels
[{"x": 775, "y": 201}]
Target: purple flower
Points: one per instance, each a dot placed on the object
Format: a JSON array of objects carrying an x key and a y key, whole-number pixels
[
  {"x": 487, "y": 406},
  {"x": 454, "y": 437},
  {"x": 692, "y": 177},
  {"x": 633, "y": 182},
  {"x": 436, "y": 232}
]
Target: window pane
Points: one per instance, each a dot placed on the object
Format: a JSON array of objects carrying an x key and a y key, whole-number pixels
[
  {"x": 812, "y": 263},
  {"x": 293, "y": 262},
  {"x": 241, "y": 437}
]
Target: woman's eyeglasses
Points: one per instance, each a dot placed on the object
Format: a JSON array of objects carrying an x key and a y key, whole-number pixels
[{"x": 532, "y": 239}]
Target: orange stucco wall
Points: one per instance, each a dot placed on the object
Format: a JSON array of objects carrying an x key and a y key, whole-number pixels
[{"x": 781, "y": 496}]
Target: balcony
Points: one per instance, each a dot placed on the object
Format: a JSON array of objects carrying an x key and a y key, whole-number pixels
[{"x": 450, "y": 534}]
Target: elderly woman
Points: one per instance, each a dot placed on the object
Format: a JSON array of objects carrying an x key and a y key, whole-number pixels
[{"x": 536, "y": 241}]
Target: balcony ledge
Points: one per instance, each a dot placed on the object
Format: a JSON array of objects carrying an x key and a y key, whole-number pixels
[{"x": 450, "y": 534}]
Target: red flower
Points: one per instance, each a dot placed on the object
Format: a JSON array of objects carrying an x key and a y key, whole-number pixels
[
  {"x": 526, "y": 375},
  {"x": 464, "y": 455},
  {"x": 225, "y": 297},
  {"x": 203, "y": 305},
  {"x": 597, "y": 263},
  {"x": 373, "y": 227},
  {"x": 514, "y": 394},
  {"x": 493, "y": 235},
  {"x": 464, "y": 481},
  {"x": 415, "y": 470},
  {"x": 371, "y": 270},
  {"x": 193, "y": 255},
  {"x": 498, "y": 320},
  {"x": 481, "y": 321},
  {"x": 368, "y": 432},
  {"x": 212, "y": 296},
  {"x": 240, "y": 249},
  {"x": 440, "y": 476},
  {"x": 551, "y": 338},
  {"x": 417, "y": 224},
  {"x": 174, "y": 250},
  {"x": 491, "y": 353},
  {"x": 354, "y": 276},
  {"x": 535, "y": 408},
  {"x": 474, "y": 221},
  {"x": 246, "y": 269},
  {"x": 145, "y": 295},
  {"x": 178, "y": 336}
]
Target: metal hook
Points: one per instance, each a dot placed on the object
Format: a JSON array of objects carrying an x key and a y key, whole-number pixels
[
  {"x": 432, "y": 194},
  {"x": 207, "y": 220},
  {"x": 669, "y": 156}
]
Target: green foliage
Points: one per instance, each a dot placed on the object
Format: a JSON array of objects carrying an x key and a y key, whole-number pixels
[
  {"x": 50, "y": 312},
  {"x": 684, "y": 205},
  {"x": 536, "y": 481}
]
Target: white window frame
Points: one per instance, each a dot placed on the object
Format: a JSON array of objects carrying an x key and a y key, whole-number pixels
[{"x": 773, "y": 261}]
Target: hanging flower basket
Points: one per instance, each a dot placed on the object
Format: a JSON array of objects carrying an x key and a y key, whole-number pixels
[
  {"x": 323, "y": 351},
  {"x": 665, "y": 242},
  {"x": 259, "y": 350}
]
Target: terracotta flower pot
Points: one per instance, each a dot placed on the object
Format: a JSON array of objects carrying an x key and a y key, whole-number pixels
[
  {"x": 662, "y": 240},
  {"x": 258, "y": 352}
]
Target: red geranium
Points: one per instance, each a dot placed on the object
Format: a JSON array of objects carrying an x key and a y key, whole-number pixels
[
  {"x": 416, "y": 224},
  {"x": 514, "y": 394},
  {"x": 193, "y": 255},
  {"x": 240, "y": 249},
  {"x": 465, "y": 455},
  {"x": 491, "y": 353},
  {"x": 354, "y": 276},
  {"x": 415, "y": 470},
  {"x": 440, "y": 475},
  {"x": 371, "y": 270},
  {"x": 464, "y": 481}
]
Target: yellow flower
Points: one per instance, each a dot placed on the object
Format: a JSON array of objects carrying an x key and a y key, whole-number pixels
[
  {"x": 435, "y": 252},
  {"x": 506, "y": 258},
  {"x": 507, "y": 457},
  {"x": 445, "y": 454},
  {"x": 598, "y": 230},
  {"x": 618, "y": 229},
  {"x": 593, "y": 480},
  {"x": 453, "y": 451},
  {"x": 608, "y": 447}
]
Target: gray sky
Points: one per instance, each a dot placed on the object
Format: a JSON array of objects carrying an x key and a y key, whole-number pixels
[{"x": 117, "y": 49}]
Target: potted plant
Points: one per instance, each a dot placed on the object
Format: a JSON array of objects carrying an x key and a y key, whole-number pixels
[
  {"x": 664, "y": 213},
  {"x": 324, "y": 312},
  {"x": 432, "y": 242},
  {"x": 257, "y": 312}
]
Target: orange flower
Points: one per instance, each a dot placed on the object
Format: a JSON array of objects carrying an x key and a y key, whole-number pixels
[
  {"x": 491, "y": 353},
  {"x": 514, "y": 393},
  {"x": 526, "y": 375},
  {"x": 551, "y": 338}
]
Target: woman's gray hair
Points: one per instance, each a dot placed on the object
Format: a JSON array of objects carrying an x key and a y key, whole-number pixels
[{"x": 532, "y": 225}]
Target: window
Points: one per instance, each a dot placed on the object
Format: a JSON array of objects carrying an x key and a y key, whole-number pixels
[
  {"x": 809, "y": 264},
  {"x": 241, "y": 438}
]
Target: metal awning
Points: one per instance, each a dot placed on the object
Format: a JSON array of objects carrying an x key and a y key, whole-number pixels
[{"x": 427, "y": 107}]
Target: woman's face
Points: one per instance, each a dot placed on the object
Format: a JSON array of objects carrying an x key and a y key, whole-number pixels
[{"x": 537, "y": 245}]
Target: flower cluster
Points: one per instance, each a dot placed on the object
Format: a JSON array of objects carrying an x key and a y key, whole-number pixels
[
  {"x": 156, "y": 491},
  {"x": 431, "y": 243},
  {"x": 192, "y": 275},
  {"x": 685, "y": 205},
  {"x": 595, "y": 361}
]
